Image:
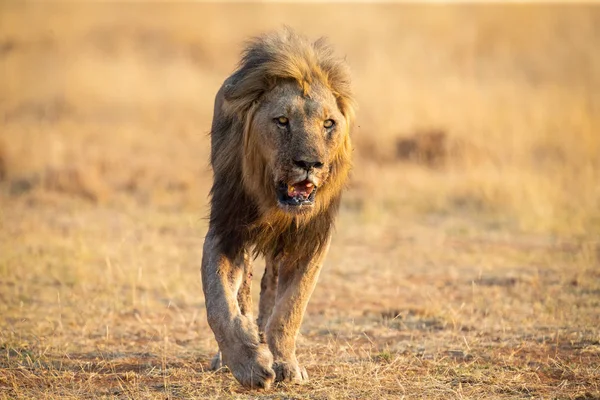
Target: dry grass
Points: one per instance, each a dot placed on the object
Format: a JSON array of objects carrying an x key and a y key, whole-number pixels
[{"x": 467, "y": 258}]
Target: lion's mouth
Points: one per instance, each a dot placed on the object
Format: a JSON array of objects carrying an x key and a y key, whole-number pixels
[{"x": 296, "y": 194}]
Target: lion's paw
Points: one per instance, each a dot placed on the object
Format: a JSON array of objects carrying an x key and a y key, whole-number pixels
[
  {"x": 251, "y": 366},
  {"x": 289, "y": 372}
]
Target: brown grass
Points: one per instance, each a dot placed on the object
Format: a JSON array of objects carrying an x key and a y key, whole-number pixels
[{"x": 465, "y": 265}]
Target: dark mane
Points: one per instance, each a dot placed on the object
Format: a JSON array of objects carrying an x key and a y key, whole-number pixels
[{"x": 236, "y": 217}]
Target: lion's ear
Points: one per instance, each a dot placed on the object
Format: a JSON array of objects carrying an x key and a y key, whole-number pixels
[
  {"x": 347, "y": 107},
  {"x": 240, "y": 94},
  {"x": 229, "y": 91},
  {"x": 230, "y": 97},
  {"x": 229, "y": 105}
]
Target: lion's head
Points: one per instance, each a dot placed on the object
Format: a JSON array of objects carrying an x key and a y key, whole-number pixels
[
  {"x": 281, "y": 145},
  {"x": 294, "y": 98}
]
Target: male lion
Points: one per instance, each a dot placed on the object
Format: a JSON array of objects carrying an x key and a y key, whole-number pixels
[{"x": 280, "y": 154}]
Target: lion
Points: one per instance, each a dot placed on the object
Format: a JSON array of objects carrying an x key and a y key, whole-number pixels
[{"x": 281, "y": 155}]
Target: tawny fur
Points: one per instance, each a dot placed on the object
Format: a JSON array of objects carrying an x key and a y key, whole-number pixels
[{"x": 245, "y": 215}]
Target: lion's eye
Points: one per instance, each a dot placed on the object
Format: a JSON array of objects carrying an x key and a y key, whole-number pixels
[
  {"x": 329, "y": 123},
  {"x": 282, "y": 121}
]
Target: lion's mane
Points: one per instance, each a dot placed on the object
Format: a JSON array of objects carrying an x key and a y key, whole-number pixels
[{"x": 240, "y": 216}]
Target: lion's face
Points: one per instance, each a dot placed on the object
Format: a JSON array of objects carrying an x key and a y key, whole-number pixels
[{"x": 300, "y": 134}]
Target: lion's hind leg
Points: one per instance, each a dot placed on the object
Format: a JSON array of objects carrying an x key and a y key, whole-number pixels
[
  {"x": 268, "y": 292},
  {"x": 244, "y": 294}
]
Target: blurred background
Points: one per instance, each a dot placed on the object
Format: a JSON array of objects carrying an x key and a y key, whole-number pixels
[
  {"x": 469, "y": 237},
  {"x": 486, "y": 113}
]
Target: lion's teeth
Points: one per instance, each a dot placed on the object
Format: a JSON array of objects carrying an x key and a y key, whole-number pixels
[{"x": 309, "y": 185}]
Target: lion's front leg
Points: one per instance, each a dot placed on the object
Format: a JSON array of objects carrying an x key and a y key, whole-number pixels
[
  {"x": 244, "y": 298},
  {"x": 297, "y": 280},
  {"x": 237, "y": 335}
]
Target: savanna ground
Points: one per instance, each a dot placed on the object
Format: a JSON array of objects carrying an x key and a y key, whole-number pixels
[{"x": 466, "y": 262}]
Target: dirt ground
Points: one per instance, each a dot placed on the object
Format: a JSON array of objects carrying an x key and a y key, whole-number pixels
[{"x": 466, "y": 259}]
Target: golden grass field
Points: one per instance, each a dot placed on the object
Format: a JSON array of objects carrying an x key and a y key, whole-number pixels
[{"x": 466, "y": 260}]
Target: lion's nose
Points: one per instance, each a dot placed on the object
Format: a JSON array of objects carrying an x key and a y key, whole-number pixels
[{"x": 308, "y": 165}]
